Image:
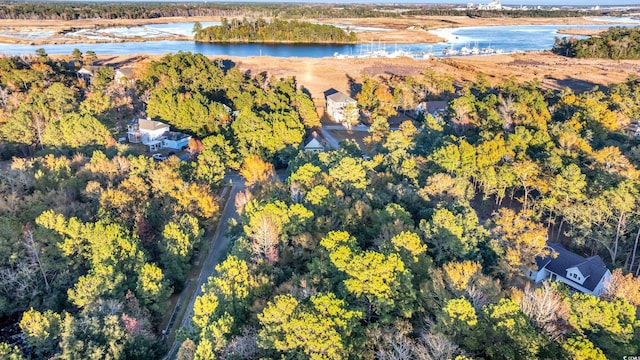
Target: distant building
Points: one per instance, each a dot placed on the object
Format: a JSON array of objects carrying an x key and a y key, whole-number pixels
[
  {"x": 587, "y": 275},
  {"x": 493, "y": 5},
  {"x": 337, "y": 104},
  {"x": 156, "y": 135}
]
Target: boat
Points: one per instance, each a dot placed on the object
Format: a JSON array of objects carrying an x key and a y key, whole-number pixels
[{"x": 450, "y": 51}]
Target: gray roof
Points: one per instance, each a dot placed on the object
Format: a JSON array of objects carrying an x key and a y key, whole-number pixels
[
  {"x": 593, "y": 268},
  {"x": 151, "y": 124},
  {"x": 339, "y": 97},
  {"x": 176, "y": 136}
]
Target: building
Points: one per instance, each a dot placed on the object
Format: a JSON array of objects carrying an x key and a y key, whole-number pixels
[
  {"x": 149, "y": 132},
  {"x": 493, "y": 5},
  {"x": 341, "y": 108},
  {"x": 587, "y": 275},
  {"x": 314, "y": 142},
  {"x": 124, "y": 75},
  {"x": 176, "y": 140}
]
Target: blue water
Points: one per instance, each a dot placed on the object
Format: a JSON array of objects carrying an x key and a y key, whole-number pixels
[{"x": 505, "y": 38}]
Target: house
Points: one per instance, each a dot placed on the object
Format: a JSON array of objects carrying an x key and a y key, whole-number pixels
[
  {"x": 314, "y": 142},
  {"x": 340, "y": 107},
  {"x": 148, "y": 132},
  {"x": 86, "y": 73},
  {"x": 176, "y": 140},
  {"x": 633, "y": 129},
  {"x": 124, "y": 75},
  {"x": 587, "y": 275},
  {"x": 156, "y": 135},
  {"x": 432, "y": 107}
]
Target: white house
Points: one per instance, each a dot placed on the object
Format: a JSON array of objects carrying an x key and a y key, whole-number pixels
[
  {"x": 587, "y": 275},
  {"x": 315, "y": 142},
  {"x": 148, "y": 132},
  {"x": 176, "y": 140},
  {"x": 336, "y": 105}
]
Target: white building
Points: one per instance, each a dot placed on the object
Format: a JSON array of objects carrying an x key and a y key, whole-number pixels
[
  {"x": 493, "y": 5},
  {"x": 587, "y": 275},
  {"x": 149, "y": 132},
  {"x": 336, "y": 105},
  {"x": 315, "y": 142},
  {"x": 176, "y": 140}
]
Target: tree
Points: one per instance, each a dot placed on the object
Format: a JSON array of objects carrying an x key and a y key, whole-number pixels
[
  {"x": 518, "y": 240},
  {"x": 508, "y": 333},
  {"x": 10, "y": 353},
  {"x": 75, "y": 131},
  {"x": 197, "y": 28},
  {"x": 42, "y": 331},
  {"x": 256, "y": 171},
  {"x": 349, "y": 174},
  {"x": 320, "y": 328},
  {"x": 381, "y": 279},
  {"x": 76, "y": 54},
  {"x": 623, "y": 287},
  {"x": 152, "y": 288},
  {"x": 460, "y": 274},
  {"x": 90, "y": 57},
  {"x": 579, "y": 347}
]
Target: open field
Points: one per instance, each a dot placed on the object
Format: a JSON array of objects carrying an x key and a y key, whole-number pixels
[
  {"x": 384, "y": 30},
  {"x": 553, "y": 71}
]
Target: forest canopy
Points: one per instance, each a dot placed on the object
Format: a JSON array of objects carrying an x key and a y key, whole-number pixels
[{"x": 415, "y": 243}]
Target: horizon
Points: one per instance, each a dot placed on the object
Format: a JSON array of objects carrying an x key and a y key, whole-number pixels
[{"x": 513, "y": 3}]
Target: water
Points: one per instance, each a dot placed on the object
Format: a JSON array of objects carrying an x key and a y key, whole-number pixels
[{"x": 506, "y": 38}]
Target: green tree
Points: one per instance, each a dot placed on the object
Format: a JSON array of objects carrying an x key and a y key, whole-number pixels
[
  {"x": 42, "y": 331},
  {"x": 320, "y": 328}
]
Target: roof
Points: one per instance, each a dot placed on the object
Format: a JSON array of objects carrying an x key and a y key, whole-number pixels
[
  {"x": 339, "y": 97},
  {"x": 314, "y": 135},
  {"x": 176, "y": 136},
  {"x": 593, "y": 268},
  {"x": 148, "y": 124},
  {"x": 126, "y": 71}
]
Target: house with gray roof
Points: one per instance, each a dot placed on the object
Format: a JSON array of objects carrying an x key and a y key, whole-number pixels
[
  {"x": 341, "y": 108},
  {"x": 587, "y": 275}
]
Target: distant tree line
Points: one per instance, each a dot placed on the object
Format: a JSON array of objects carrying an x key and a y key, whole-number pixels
[
  {"x": 75, "y": 11},
  {"x": 261, "y": 30},
  {"x": 538, "y": 13},
  {"x": 79, "y": 11},
  {"x": 615, "y": 43}
]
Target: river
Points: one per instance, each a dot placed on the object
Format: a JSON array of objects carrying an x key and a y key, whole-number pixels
[{"x": 505, "y": 38}]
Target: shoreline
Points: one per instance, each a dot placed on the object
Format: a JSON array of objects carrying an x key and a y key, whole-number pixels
[{"x": 383, "y": 30}]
